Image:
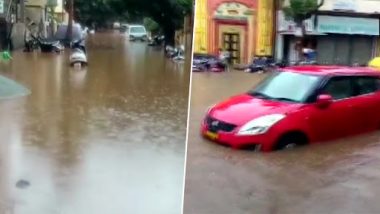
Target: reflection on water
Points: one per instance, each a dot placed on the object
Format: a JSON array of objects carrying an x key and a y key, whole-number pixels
[
  {"x": 336, "y": 177},
  {"x": 109, "y": 138},
  {"x": 10, "y": 89}
]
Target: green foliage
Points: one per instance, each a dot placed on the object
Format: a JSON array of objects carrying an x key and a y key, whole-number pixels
[
  {"x": 187, "y": 5},
  {"x": 300, "y": 10},
  {"x": 97, "y": 12},
  {"x": 167, "y": 14},
  {"x": 151, "y": 25}
]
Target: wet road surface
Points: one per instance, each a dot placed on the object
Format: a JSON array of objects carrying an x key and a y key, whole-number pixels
[
  {"x": 108, "y": 139},
  {"x": 332, "y": 178}
]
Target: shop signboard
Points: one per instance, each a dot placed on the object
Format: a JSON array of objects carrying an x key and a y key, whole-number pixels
[
  {"x": 346, "y": 5},
  {"x": 348, "y": 25}
]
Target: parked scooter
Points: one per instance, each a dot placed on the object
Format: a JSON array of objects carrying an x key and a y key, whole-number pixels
[
  {"x": 156, "y": 40},
  {"x": 78, "y": 55},
  {"x": 201, "y": 62},
  {"x": 179, "y": 55},
  {"x": 31, "y": 45},
  {"x": 48, "y": 46},
  {"x": 171, "y": 51},
  {"x": 261, "y": 64},
  {"x": 205, "y": 62},
  {"x": 176, "y": 54},
  {"x": 45, "y": 45}
]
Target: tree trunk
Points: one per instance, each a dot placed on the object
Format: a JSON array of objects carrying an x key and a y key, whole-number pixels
[
  {"x": 300, "y": 40},
  {"x": 169, "y": 33},
  {"x": 69, "y": 33},
  {"x": 22, "y": 11}
]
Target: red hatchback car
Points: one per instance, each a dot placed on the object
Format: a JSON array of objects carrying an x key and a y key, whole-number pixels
[{"x": 298, "y": 106}]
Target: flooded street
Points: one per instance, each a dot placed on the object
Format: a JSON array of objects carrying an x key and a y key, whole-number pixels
[
  {"x": 332, "y": 178},
  {"x": 107, "y": 139}
]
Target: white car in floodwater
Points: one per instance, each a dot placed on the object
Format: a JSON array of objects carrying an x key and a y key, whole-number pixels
[
  {"x": 116, "y": 25},
  {"x": 137, "y": 32}
]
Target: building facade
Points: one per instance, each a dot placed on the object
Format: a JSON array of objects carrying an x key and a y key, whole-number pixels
[
  {"x": 343, "y": 32},
  {"x": 35, "y": 11},
  {"x": 242, "y": 27},
  {"x": 60, "y": 13}
]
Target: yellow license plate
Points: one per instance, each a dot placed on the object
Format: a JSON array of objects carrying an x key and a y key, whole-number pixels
[{"x": 212, "y": 135}]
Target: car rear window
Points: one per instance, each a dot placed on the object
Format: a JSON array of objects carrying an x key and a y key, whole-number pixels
[
  {"x": 366, "y": 85},
  {"x": 138, "y": 30},
  {"x": 339, "y": 88}
]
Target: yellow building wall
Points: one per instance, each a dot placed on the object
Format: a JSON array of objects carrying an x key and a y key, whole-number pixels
[
  {"x": 251, "y": 36},
  {"x": 59, "y": 8},
  {"x": 200, "y": 31},
  {"x": 265, "y": 22},
  {"x": 60, "y": 13},
  {"x": 39, "y": 3}
]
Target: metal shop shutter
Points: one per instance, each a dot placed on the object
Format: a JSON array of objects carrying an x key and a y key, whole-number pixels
[
  {"x": 361, "y": 51},
  {"x": 342, "y": 50},
  {"x": 325, "y": 50}
]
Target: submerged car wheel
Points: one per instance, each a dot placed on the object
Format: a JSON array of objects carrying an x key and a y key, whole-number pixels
[{"x": 291, "y": 141}]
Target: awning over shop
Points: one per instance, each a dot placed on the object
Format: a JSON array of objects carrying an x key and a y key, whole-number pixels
[
  {"x": 314, "y": 33},
  {"x": 348, "y": 25}
]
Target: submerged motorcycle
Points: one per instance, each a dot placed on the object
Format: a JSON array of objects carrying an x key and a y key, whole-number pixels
[
  {"x": 261, "y": 64},
  {"x": 206, "y": 62},
  {"x": 45, "y": 45},
  {"x": 156, "y": 41},
  {"x": 171, "y": 51},
  {"x": 48, "y": 46},
  {"x": 78, "y": 55},
  {"x": 176, "y": 54}
]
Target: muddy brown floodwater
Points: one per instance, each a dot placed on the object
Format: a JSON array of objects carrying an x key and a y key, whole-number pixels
[
  {"x": 341, "y": 177},
  {"x": 108, "y": 139}
]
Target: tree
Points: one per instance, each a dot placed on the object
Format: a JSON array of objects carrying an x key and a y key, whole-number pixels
[
  {"x": 169, "y": 14},
  {"x": 299, "y": 11},
  {"x": 187, "y": 6},
  {"x": 151, "y": 25},
  {"x": 70, "y": 10},
  {"x": 94, "y": 12}
]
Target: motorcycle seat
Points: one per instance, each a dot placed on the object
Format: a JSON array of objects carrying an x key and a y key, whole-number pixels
[{"x": 49, "y": 41}]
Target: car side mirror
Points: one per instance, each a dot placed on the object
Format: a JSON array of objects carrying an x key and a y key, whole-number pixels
[{"x": 324, "y": 100}]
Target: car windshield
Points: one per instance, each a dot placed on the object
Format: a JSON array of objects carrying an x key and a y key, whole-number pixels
[
  {"x": 137, "y": 30},
  {"x": 286, "y": 86}
]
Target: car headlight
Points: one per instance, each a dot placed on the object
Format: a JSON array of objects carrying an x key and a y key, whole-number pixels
[
  {"x": 260, "y": 125},
  {"x": 210, "y": 108}
]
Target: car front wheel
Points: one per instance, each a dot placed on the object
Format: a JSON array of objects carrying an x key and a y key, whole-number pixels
[{"x": 291, "y": 141}]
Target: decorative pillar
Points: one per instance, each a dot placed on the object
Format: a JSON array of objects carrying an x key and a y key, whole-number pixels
[
  {"x": 201, "y": 28},
  {"x": 251, "y": 34},
  {"x": 265, "y": 21}
]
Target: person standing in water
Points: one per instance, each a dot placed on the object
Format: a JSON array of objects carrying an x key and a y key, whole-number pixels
[{"x": 225, "y": 58}]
